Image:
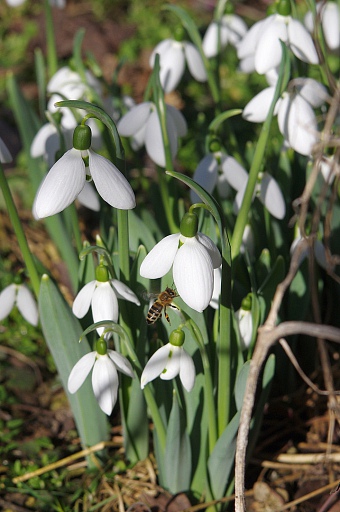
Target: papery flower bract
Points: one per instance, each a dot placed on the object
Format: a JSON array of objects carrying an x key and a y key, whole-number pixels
[
  {"x": 329, "y": 13},
  {"x": 262, "y": 42},
  {"x": 168, "y": 362},
  {"x": 231, "y": 29},
  {"x": 142, "y": 124},
  {"x": 5, "y": 155},
  {"x": 172, "y": 58},
  {"x": 18, "y": 295},
  {"x": 67, "y": 178},
  {"x": 104, "y": 376},
  {"x": 193, "y": 260},
  {"x": 102, "y": 297}
]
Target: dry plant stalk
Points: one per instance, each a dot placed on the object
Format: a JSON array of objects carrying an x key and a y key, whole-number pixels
[{"x": 270, "y": 333}]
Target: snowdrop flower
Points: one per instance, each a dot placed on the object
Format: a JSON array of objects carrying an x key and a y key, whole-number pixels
[
  {"x": 5, "y": 155},
  {"x": 69, "y": 83},
  {"x": 296, "y": 117},
  {"x": 329, "y": 13},
  {"x": 67, "y": 179},
  {"x": 142, "y": 123},
  {"x": 262, "y": 42},
  {"x": 17, "y": 294},
  {"x": 172, "y": 58},
  {"x": 105, "y": 363},
  {"x": 230, "y": 29},
  {"x": 192, "y": 256},
  {"x": 102, "y": 294},
  {"x": 318, "y": 247},
  {"x": 221, "y": 170},
  {"x": 245, "y": 322},
  {"x": 329, "y": 168},
  {"x": 169, "y": 361}
]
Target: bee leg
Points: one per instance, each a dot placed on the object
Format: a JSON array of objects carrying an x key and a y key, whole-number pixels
[{"x": 167, "y": 316}]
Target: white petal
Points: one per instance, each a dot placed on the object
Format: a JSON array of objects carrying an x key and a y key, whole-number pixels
[
  {"x": 172, "y": 65},
  {"x": 5, "y": 155},
  {"x": 213, "y": 251},
  {"x": 80, "y": 371},
  {"x": 309, "y": 21},
  {"x": 301, "y": 43},
  {"x": 82, "y": 302},
  {"x": 135, "y": 119},
  {"x": 7, "y": 300},
  {"x": 63, "y": 76},
  {"x": 205, "y": 175},
  {"x": 257, "y": 109},
  {"x": 210, "y": 39},
  {"x": 195, "y": 62},
  {"x": 173, "y": 363},
  {"x": 47, "y": 132},
  {"x": 124, "y": 292},
  {"x": 235, "y": 27},
  {"x": 249, "y": 42},
  {"x": 121, "y": 363},
  {"x": 193, "y": 274},
  {"x": 110, "y": 183},
  {"x": 245, "y": 323},
  {"x": 235, "y": 174},
  {"x": 271, "y": 196},
  {"x": 155, "y": 365},
  {"x": 268, "y": 52},
  {"x": 27, "y": 305},
  {"x": 15, "y": 3},
  {"x": 247, "y": 65},
  {"x": 105, "y": 383},
  {"x": 104, "y": 304},
  {"x": 215, "y": 299},
  {"x": 239, "y": 198},
  {"x": 330, "y": 16},
  {"x": 187, "y": 371},
  {"x": 154, "y": 140},
  {"x": 88, "y": 197},
  {"x": 312, "y": 91},
  {"x": 178, "y": 119},
  {"x": 160, "y": 48},
  {"x": 159, "y": 260},
  {"x": 61, "y": 186}
]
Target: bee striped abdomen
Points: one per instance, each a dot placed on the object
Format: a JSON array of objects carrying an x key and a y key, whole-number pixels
[{"x": 154, "y": 312}]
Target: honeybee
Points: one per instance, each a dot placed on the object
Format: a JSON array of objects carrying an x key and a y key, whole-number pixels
[{"x": 163, "y": 300}]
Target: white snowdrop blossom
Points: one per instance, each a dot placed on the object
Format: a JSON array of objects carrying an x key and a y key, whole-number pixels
[
  {"x": 142, "y": 124},
  {"x": 230, "y": 29},
  {"x": 169, "y": 361},
  {"x": 67, "y": 178},
  {"x": 192, "y": 258},
  {"x": 173, "y": 55},
  {"x": 261, "y": 47},
  {"x": 296, "y": 117},
  {"x": 329, "y": 13},
  {"x": 5, "y": 155},
  {"x": 104, "y": 375},
  {"x": 245, "y": 324},
  {"x": 101, "y": 296},
  {"x": 221, "y": 170},
  {"x": 318, "y": 247},
  {"x": 18, "y": 295}
]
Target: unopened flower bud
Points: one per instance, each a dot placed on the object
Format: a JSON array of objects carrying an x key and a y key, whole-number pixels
[
  {"x": 82, "y": 137},
  {"x": 177, "y": 338}
]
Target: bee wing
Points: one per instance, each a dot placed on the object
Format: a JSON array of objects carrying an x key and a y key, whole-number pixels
[{"x": 147, "y": 296}]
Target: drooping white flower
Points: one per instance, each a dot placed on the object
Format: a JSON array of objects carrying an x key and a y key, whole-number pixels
[
  {"x": 245, "y": 324},
  {"x": 329, "y": 14},
  {"x": 230, "y": 29},
  {"x": 104, "y": 375},
  {"x": 173, "y": 55},
  {"x": 5, "y": 155},
  {"x": 169, "y": 361},
  {"x": 18, "y": 295},
  {"x": 102, "y": 297},
  {"x": 69, "y": 83},
  {"x": 192, "y": 258},
  {"x": 318, "y": 247},
  {"x": 142, "y": 124},
  {"x": 261, "y": 44},
  {"x": 67, "y": 178}
]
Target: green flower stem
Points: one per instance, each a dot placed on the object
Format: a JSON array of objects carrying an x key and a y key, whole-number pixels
[
  {"x": 257, "y": 162},
  {"x": 208, "y": 385},
  {"x": 17, "y": 226},
  {"x": 52, "y": 59}
]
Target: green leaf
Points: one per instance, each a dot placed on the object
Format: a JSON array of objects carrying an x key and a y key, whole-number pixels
[
  {"x": 62, "y": 332},
  {"x": 240, "y": 385},
  {"x": 136, "y": 425},
  {"x": 177, "y": 459}
]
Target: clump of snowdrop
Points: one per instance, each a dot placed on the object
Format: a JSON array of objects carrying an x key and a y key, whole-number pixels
[
  {"x": 104, "y": 364},
  {"x": 67, "y": 178},
  {"x": 173, "y": 58},
  {"x": 230, "y": 29},
  {"x": 329, "y": 15},
  {"x": 143, "y": 125},
  {"x": 260, "y": 49},
  {"x": 296, "y": 118},
  {"x": 169, "y": 361},
  {"x": 193, "y": 257},
  {"x": 17, "y": 294},
  {"x": 102, "y": 295}
]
